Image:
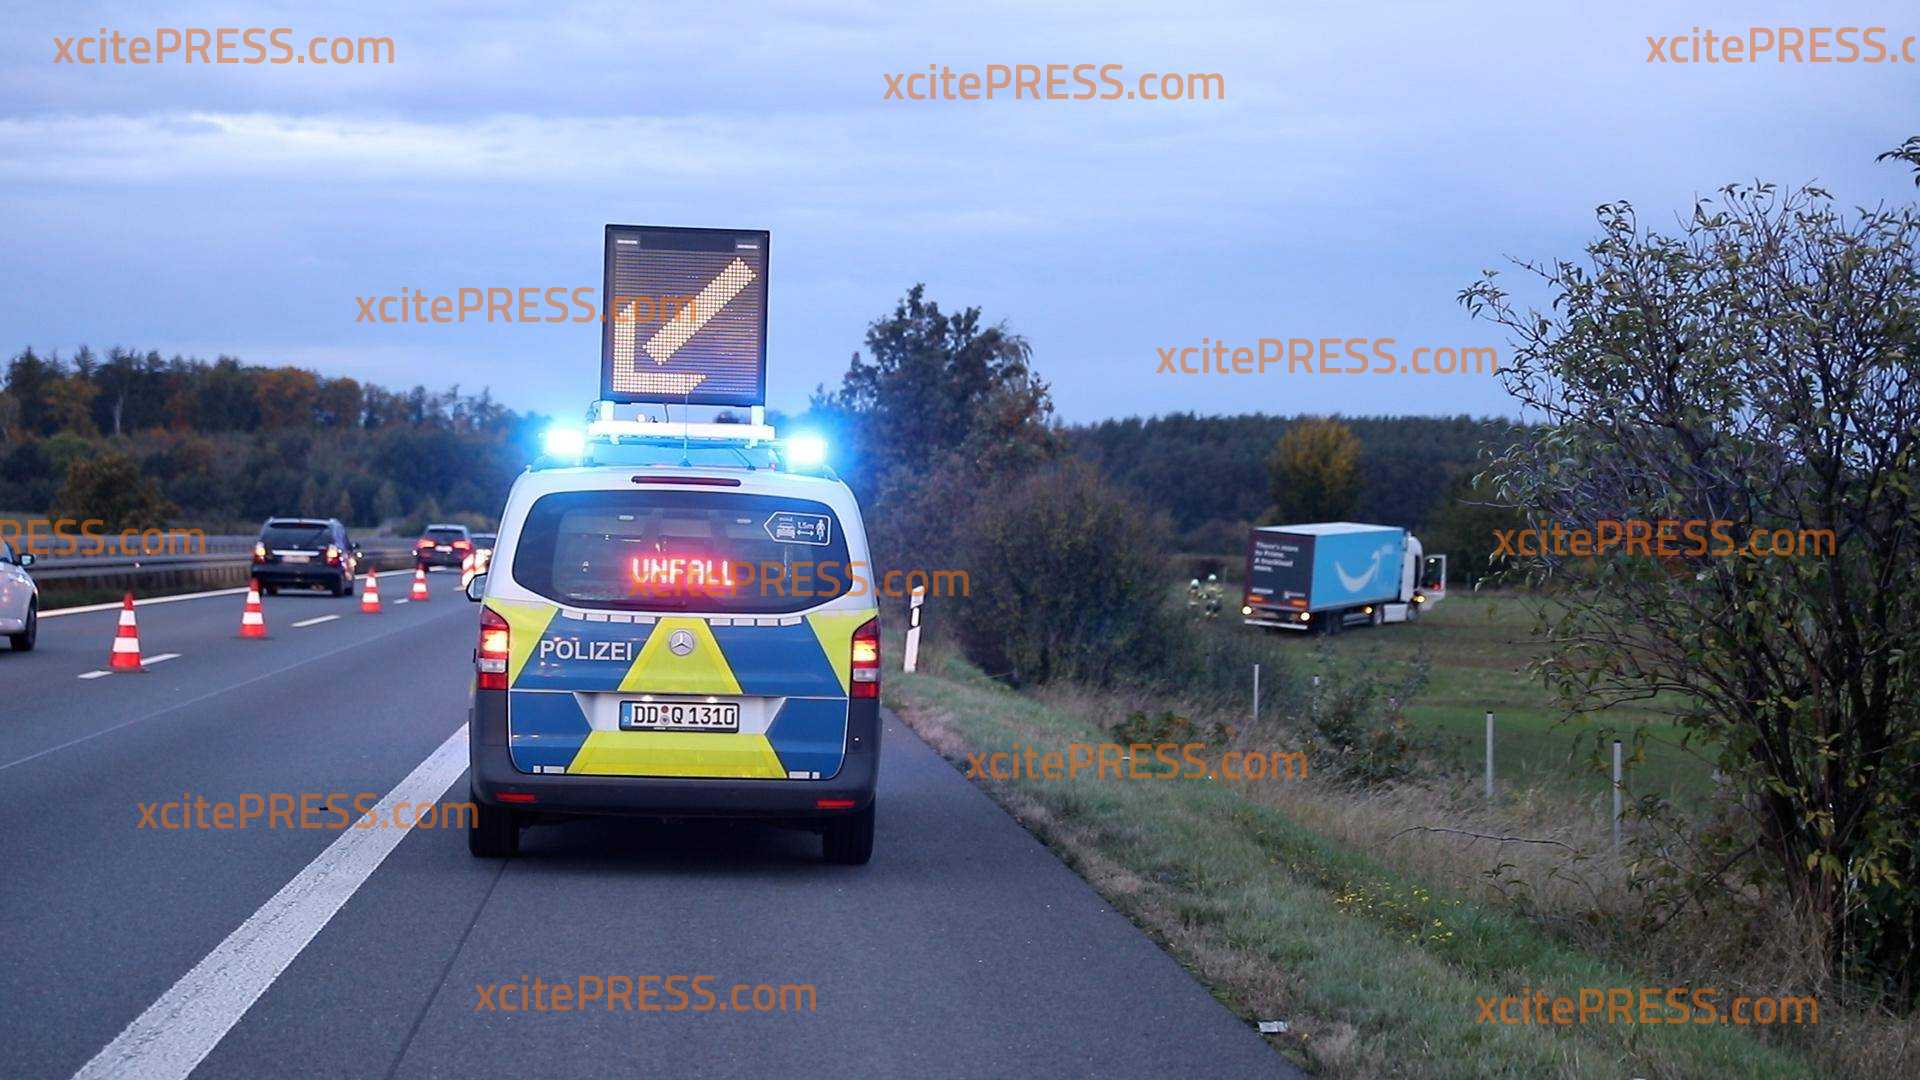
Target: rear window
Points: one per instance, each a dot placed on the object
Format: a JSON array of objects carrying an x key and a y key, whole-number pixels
[
  {"x": 296, "y": 533},
  {"x": 446, "y": 536},
  {"x": 683, "y": 551}
]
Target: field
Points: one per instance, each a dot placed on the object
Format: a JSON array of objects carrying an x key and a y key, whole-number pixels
[{"x": 1478, "y": 648}]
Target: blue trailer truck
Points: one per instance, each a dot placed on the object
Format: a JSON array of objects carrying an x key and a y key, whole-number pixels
[{"x": 1336, "y": 574}]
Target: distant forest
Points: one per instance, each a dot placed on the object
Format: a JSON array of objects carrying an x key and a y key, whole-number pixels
[
  {"x": 224, "y": 443},
  {"x": 1210, "y": 472},
  {"x": 134, "y": 436}
]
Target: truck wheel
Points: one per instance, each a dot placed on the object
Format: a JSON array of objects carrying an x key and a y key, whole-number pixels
[
  {"x": 1379, "y": 615},
  {"x": 493, "y": 832},
  {"x": 1335, "y": 619},
  {"x": 1413, "y": 612},
  {"x": 848, "y": 841}
]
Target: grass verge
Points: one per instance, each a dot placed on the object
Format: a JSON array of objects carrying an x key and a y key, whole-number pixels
[{"x": 1375, "y": 971}]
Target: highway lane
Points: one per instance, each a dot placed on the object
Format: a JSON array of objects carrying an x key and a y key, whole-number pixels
[
  {"x": 103, "y": 914},
  {"x": 964, "y": 949}
]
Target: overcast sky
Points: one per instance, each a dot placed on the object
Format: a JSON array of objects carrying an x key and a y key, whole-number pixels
[{"x": 1360, "y": 171}]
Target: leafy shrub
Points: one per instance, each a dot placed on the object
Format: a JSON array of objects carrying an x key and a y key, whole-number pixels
[
  {"x": 1359, "y": 728},
  {"x": 1068, "y": 580}
]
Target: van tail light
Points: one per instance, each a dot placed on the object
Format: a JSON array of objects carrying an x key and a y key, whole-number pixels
[
  {"x": 260, "y": 552},
  {"x": 490, "y": 659},
  {"x": 866, "y": 660},
  {"x": 333, "y": 555}
]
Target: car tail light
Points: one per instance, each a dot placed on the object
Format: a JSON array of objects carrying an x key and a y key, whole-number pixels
[
  {"x": 424, "y": 544},
  {"x": 833, "y": 804},
  {"x": 490, "y": 659},
  {"x": 461, "y": 545},
  {"x": 259, "y": 552},
  {"x": 333, "y": 555},
  {"x": 866, "y": 660}
]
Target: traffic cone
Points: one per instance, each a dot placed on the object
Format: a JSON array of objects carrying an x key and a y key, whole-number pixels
[
  {"x": 370, "y": 596},
  {"x": 253, "y": 621},
  {"x": 466, "y": 569},
  {"x": 419, "y": 594},
  {"x": 126, "y": 642}
]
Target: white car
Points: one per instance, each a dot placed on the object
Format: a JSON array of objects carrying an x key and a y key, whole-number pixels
[{"x": 19, "y": 599}]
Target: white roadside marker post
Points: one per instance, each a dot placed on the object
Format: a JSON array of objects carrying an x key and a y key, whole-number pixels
[
  {"x": 1489, "y": 757},
  {"x": 1256, "y": 695},
  {"x": 912, "y": 658},
  {"x": 1616, "y": 794}
]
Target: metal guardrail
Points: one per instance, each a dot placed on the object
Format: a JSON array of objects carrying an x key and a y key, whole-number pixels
[{"x": 223, "y": 553}]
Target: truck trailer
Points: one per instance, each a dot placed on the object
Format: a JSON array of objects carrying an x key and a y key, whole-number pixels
[{"x": 1331, "y": 575}]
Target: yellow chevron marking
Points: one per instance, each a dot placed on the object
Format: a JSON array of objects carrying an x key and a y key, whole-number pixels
[
  {"x": 678, "y": 753},
  {"x": 834, "y": 630},
  {"x": 526, "y": 622},
  {"x": 702, "y": 671}
]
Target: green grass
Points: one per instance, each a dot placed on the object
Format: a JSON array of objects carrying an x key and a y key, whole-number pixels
[
  {"x": 1378, "y": 973},
  {"x": 1479, "y": 647}
]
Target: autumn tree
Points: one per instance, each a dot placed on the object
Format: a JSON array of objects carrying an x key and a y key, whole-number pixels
[
  {"x": 1314, "y": 472},
  {"x": 111, "y": 487},
  {"x": 1759, "y": 365}
]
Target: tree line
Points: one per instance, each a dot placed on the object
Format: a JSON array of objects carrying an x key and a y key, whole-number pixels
[{"x": 141, "y": 440}]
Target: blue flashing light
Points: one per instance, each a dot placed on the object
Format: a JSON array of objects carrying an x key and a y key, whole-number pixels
[
  {"x": 566, "y": 442},
  {"x": 806, "y": 451}
]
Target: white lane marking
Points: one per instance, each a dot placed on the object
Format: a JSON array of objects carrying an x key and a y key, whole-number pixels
[
  {"x": 145, "y": 662},
  {"x": 315, "y": 621},
  {"x": 179, "y": 1030},
  {"x": 402, "y": 600},
  {"x": 115, "y": 605}
]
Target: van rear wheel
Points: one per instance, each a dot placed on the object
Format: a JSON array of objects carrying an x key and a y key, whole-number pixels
[
  {"x": 493, "y": 832},
  {"x": 848, "y": 841}
]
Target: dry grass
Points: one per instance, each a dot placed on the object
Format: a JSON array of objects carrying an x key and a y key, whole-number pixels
[{"x": 1536, "y": 854}]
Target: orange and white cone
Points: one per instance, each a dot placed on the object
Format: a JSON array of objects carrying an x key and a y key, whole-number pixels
[
  {"x": 253, "y": 621},
  {"x": 466, "y": 569},
  {"x": 419, "y": 593},
  {"x": 126, "y": 642},
  {"x": 370, "y": 596}
]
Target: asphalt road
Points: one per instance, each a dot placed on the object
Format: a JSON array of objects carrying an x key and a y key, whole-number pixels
[{"x": 964, "y": 949}]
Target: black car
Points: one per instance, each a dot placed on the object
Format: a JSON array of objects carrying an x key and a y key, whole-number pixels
[
  {"x": 443, "y": 545},
  {"x": 305, "y": 552}
]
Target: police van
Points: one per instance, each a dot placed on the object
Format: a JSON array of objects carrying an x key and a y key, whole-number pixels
[
  {"x": 676, "y": 617},
  {"x": 676, "y": 623}
]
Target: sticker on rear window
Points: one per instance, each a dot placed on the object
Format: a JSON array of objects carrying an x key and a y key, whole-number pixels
[{"x": 791, "y": 528}]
